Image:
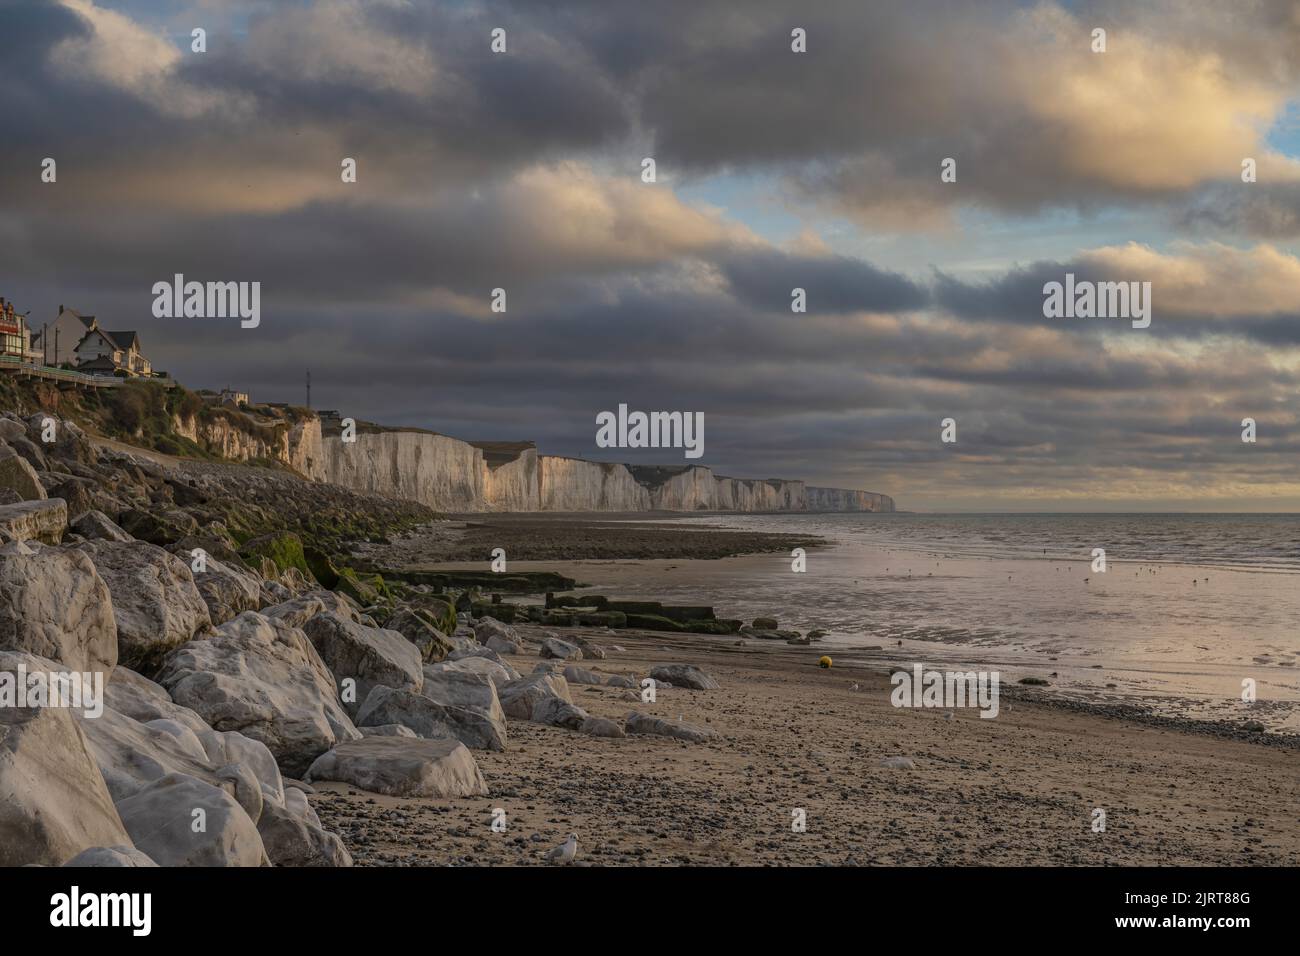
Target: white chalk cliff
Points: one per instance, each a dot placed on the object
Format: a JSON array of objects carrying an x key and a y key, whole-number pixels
[{"x": 458, "y": 476}]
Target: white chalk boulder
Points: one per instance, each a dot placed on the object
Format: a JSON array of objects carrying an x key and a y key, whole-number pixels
[
  {"x": 518, "y": 698},
  {"x": 53, "y": 801},
  {"x": 265, "y": 680},
  {"x": 401, "y": 767},
  {"x": 683, "y": 675},
  {"x": 368, "y": 655},
  {"x": 54, "y": 604},
  {"x": 156, "y": 604},
  {"x": 179, "y": 820}
]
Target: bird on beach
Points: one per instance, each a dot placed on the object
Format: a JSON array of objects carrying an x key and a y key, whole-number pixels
[{"x": 565, "y": 852}]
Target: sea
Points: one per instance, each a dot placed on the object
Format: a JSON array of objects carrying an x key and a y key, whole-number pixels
[{"x": 1191, "y": 616}]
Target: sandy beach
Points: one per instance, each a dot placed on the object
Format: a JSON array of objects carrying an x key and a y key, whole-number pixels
[{"x": 1018, "y": 789}]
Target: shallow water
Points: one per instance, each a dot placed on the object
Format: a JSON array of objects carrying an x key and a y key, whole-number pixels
[{"x": 1189, "y": 606}]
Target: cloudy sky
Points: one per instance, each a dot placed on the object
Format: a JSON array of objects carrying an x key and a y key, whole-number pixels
[{"x": 775, "y": 170}]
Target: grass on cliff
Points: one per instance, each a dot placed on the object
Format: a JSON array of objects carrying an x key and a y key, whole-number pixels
[{"x": 143, "y": 413}]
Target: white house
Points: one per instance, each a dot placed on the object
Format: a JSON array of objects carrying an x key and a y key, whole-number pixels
[
  {"x": 58, "y": 341},
  {"x": 104, "y": 352}
]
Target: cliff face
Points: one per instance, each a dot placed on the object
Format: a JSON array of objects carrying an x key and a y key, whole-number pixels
[
  {"x": 306, "y": 450},
  {"x": 222, "y": 436},
  {"x": 698, "y": 489},
  {"x": 458, "y": 476},
  {"x": 841, "y": 499},
  {"x": 514, "y": 484},
  {"x": 293, "y": 443},
  {"x": 441, "y": 472},
  {"x": 571, "y": 484}
]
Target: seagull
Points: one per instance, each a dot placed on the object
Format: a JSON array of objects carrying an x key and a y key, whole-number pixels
[{"x": 565, "y": 852}]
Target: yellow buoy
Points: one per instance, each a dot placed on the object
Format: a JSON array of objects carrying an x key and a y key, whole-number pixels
[{"x": 824, "y": 662}]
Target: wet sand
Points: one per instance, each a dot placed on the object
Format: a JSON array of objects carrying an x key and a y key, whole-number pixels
[
  {"x": 558, "y": 537},
  {"x": 1017, "y": 789}
]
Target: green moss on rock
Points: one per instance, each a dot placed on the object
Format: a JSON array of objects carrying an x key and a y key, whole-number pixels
[
  {"x": 654, "y": 622},
  {"x": 710, "y": 627},
  {"x": 438, "y": 608},
  {"x": 504, "y": 612},
  {"x": 365, "y": 589},
  {"x": 283, "y": 548},
  {"x": 322, "y": 568},
  {"x": 601, "y": 618}
]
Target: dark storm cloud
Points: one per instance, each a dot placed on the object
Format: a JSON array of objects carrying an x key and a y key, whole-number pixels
[
  {"x": 840, "y": 284},
  {"x": 38, "y": 104},
  {"x": 1016, "y": 296},
  {"x": 32, "y": 27}
]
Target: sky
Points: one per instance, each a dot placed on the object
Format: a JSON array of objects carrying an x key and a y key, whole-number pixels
[{"x": 775, "y": 170}]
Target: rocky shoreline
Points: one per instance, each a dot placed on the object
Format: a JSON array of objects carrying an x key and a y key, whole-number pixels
[{"x": 238, "y": 659}]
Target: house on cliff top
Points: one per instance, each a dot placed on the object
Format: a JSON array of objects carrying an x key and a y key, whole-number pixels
[
  {"x": 57, "y": 341},
  {"x": 107, "y": 352}
]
